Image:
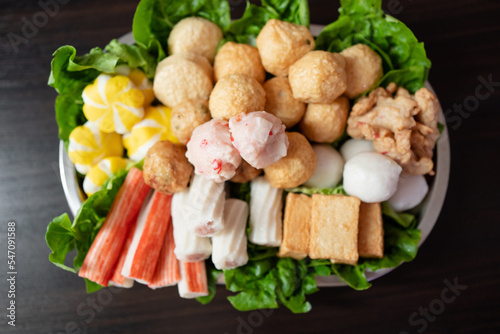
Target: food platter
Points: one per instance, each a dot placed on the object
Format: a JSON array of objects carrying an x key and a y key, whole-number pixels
[{"x": 429, "y": 209}]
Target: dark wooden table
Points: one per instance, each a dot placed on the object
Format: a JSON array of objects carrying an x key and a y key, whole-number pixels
[{"x": 461, "y": 39}]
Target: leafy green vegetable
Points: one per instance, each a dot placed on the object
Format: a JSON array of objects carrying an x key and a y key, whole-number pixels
[
  {"x": 404, "y": 58},
  {"x": 246, "y": 29},
  {"x": 62, "y": 237},
  {"x": 403, "y": 219},
  {"x": 324, "y": 191},
  {"x": 154, "y": 20},
  {"x": 265, "y": 279}
]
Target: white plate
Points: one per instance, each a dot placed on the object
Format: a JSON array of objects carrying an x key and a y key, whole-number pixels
[{"x": 430, "y": 208}]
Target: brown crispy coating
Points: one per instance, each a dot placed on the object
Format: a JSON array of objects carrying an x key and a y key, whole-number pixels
[
  {"x": 334, "y": 228},
  {"x": 281, "y": 44},
  {"x": 197, "y": 35},
  {"x": 318, "y": 77},
  {"x": 296, "y": 226},
  {"x": 234, "y": 94},
  {"x": 245, "y": 173},
  {"x": 281, "y": 103},
  {"x": 371, "y": 231},
  {"x": 296, "y": 167},
  {"x": 179, "y": 79},
  {"x": 239, "y": 58},
  {"x": 166, "y": 167},
  {"x": 403, "y": 127},
  {"x": 187, "y": 116},
  {"x": 324, "y": 123},
  {"x": 363, "y": 68}
]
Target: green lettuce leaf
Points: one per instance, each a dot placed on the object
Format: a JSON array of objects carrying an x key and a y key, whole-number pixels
[
  {"x": 62, "y": 236},
  {"x": 403, "y": 219},
  {"x": 246, "y": 29},
  {"x": 404, "y": 58},
  {"x": 266, "y": 280},
  {"x": 154, "y": 20},
  {"x": 324, "y": 191}
]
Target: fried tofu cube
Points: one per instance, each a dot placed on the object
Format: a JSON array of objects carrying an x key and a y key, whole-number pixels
[
  {"x": 334, "y": 228},
  {"x": 296, "y": 226},
  {"x": 371, "y": 231}
]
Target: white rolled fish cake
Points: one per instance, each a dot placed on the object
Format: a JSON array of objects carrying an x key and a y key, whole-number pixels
[
  {"x": 265, "y": 213},
  {"x": 204, "y": 209},
  {"x": 188, "y": 246},
  {"x": 229, "y": 247}
]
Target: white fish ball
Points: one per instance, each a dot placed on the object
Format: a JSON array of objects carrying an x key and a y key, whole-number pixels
[
  {"x": 411, "y": 191},
  {"x": 372, "y": 177},
  {"x": 328, "y": 172},
  {"x": 354, "y": 146}
]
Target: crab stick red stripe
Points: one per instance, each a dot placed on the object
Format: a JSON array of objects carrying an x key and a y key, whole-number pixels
[
  {"x": 193, "y": 283},
  {"x": 118, "y": 279},
  {"x": 148, "y": 239},
  {"x": 103, "y": 255},
  {"x": 167, "y": 270}
]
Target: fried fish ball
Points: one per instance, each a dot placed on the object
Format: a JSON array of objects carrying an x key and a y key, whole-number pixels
[
  {"x": 197, "y": 35},
  {"x": 296, "y": 168},
  {"x": 281, "y": 44},
  {"x": 187, "y": 116},
  {"x": 234, "y": 94},
  {"x": 324, "y": 123},
  {"x": 318, "y": 77},
  {"x": 363, "y": 67},
  {"x": 239, "y": 58},
  {"x": 281, "y": 103},
  {"x": 179, "y": 79},
  {"x": 198, "y": 59},
  {"x": 245, "y": 173},
  {"x": 166, "y": 167}
]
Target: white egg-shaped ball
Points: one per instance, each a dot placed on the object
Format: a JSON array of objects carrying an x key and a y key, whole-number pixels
[
  {"x": 354, "y": 146},
  {"x": 328, "y": 172},
  {"x": 372, "y": 177},
  {"x": 411, "y": 191}
]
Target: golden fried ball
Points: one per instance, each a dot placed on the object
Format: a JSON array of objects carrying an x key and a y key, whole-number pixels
[
  {"x": 281, "y": 103},
  {"x": 179, "y": 79},
  {"x": 198, "y": 59},
  {"x": 294, "y": 169},
  {"x": 187, "y": 116},
  {"x": 245, "y": 173},
  {"x": 318, "y": 77},
  {"x": 166, "y": 167},
  {"x": 238, "y": 58},
  {"x": 281, "y": 44},
  {"x": 363, "y": 67},
  {"x": 324, "y": 123},
  {"x": 234, "y": 94},
  {"x": 197, "y": 35}
]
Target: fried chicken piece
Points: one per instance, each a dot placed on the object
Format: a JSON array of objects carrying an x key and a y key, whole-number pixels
[{"x": 403, "y": 127}]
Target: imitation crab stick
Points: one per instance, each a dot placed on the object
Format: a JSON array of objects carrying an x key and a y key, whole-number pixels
[
  {"x": 103, "y": 255},
  {"x": 229, "y": 246},
  {"x": 188, "y": 246},
  {"x": 167, "y": 270},
  {"x": 194, "y": 280},
  {"x": 265, "y": 213},
  {"x": 118, "y": 279},
  {"x": 149, "y": 235},
  {"x": 205, "y": 207}
]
